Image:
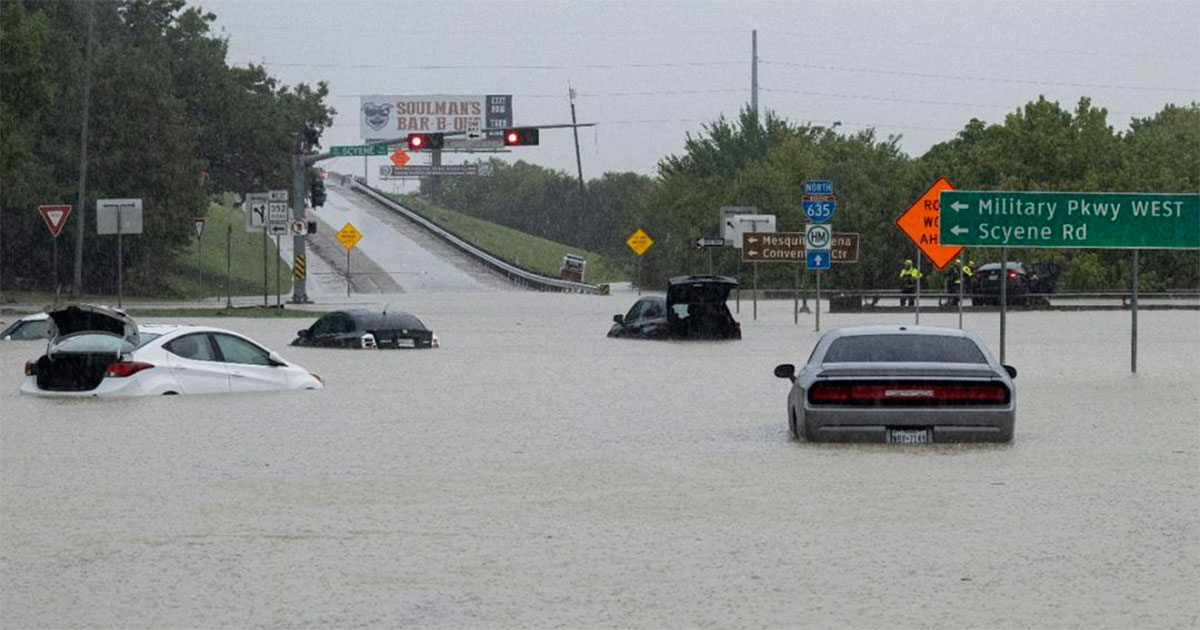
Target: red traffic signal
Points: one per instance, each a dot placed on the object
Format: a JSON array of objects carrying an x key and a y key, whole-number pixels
[
  {"x": 520, "y": 136},
  {"x": 425, "y": 141}
]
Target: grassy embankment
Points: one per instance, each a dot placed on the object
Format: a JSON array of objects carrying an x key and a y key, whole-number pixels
[
  {"x": 179, "y": 279},
  {"x": 526, "y": 251}
]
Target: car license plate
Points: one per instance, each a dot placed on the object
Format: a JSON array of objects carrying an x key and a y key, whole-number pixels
[{"x": 908, "y": 436}]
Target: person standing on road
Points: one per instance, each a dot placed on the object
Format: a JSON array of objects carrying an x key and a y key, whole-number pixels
[
  {"x": 908, "y": 283},
  {"x": 960, "y": 273}
]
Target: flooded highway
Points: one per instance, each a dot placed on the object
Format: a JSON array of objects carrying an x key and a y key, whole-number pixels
[{"x": 533, "y": 473}]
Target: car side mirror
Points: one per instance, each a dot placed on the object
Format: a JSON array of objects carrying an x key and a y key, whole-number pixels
[
  {"x": 620, "y": 319},
  {"x": 275, "y": 359},
  {"x": 787, "y": 370},
  {"x": 1012, "y": 371},
  {"x": 302, "y": 333}
]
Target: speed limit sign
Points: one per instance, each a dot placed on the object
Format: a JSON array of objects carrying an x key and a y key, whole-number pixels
[{"x": 818, "y": 236}]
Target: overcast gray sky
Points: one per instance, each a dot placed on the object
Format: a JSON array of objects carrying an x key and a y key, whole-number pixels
[{"x": 651, "y": 72}]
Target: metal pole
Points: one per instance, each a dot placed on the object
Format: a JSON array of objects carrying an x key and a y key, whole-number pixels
[
  {"x": 300, "y": 285},
  {"x": 229, "y": 266},
  {"x": 737, "y": 304},
  {"x": 347, "y": 272},
  {"x": 578, "y": 161},
  {"x": 709, "y": 260},
  {"x": 1133, "y": 345},
  {"x": 960, "y": 293},
  {"x": 120, "y": 258},
  {"x": 55, "y": 269},
  {"x": 818, "y": 302},
  {"x": 264, "y": 248},
  {"x": 917, "y": 299},
  {"x": 639, "y": 274},
  {"x": 1003, "y": 297},
  {"x": 796, "y": 295},
  {"x": 81, "y": 204},
  {"x": 200, "y": 265},
  {"x": 278, "y": 257},
  {"x": 755, "y": 295},
  {"x": 754, "y": 70}
]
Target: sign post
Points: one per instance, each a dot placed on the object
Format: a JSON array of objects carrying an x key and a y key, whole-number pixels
[
  {"x": 920, "y": 224},
  {"x": 1070, "y": 220},
  {"x": 639, "y": 242},
  {"x": 348, "y": 236},
  {"x": 55, "y": 217},
  {"x": 199, "y": 222},
  {"x": 119, "y": 216}
]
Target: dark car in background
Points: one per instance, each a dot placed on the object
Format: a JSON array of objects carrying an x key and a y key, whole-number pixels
[
  {"x": 693, "y": 308},
  {"x": 902, "y": 385},
  {"x": 363, "y": 328},
  {"x": 1029, "y": 286}
]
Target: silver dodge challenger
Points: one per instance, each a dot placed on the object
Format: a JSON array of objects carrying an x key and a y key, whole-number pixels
[{"x": 901, "y": 384}]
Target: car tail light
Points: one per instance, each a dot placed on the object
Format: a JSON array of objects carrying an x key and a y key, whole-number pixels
[
  {"x": 368, "y": 341},
  {"x": 31, "y": 368},
  {"x": 909, "y": 394},
  {"x": 434, "y": 341},
  {"x": 1012, "y": 273},
  {"x": 121, "y": 369}
]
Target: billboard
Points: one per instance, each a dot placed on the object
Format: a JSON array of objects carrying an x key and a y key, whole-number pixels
[{"x": 387, "y": 116}]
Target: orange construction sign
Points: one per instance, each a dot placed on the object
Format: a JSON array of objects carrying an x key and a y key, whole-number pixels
[
  {"x": 920, "y": 223},
  {"x": 399, "y": 158}
]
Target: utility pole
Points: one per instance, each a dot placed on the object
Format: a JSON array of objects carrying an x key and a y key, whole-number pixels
[
  {"x": 754, "y": 71},
  {"x": 81, "y": 204},
  {"x": 578, "y": 162}
]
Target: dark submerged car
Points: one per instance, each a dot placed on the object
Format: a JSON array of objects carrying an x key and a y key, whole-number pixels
[
  {"x": 694, "y": 308},
  {"x": 362, "y": 328},
  {"x": 1026, "y": 286}
]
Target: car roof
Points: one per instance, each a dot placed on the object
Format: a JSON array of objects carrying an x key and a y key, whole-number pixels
[
  {"x": 702, "y": 278},
  {"x": 855, "y": 331},
  {"x": 376, "y": 319},
  {"x": 33, "y": 317},
  {"x": 1012, "y": 264}
]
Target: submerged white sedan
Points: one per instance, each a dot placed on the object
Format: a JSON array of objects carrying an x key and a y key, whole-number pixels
[{"x": 100, "y": 351}]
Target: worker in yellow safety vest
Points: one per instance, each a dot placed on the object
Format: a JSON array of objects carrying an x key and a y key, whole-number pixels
[
  {"x": 959, "y": 272},
  {"x": 908, "y": 283}
]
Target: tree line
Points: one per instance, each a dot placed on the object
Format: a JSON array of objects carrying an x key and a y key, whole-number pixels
[
  {"x": 169, "y": 121},
  {"x": 762, "y": 161}
]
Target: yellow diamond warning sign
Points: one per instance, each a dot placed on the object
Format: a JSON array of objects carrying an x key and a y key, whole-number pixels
[
  {"x": 639, "y": 242},
  {"x": 348, "y": 236}
]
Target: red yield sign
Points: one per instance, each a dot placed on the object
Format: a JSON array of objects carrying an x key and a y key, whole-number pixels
[
  {"x": 920, "y": 224},
  {"x": 55, "y": 217}
]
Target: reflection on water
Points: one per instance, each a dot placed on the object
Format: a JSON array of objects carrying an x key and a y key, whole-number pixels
[{"x": 532, "y": 472}]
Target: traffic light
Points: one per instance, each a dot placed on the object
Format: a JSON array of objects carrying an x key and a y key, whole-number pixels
[
  {"x": 520, "y": 136},
  {"x": 425, "y": 141},
  {"x": 316, "y": 191}
]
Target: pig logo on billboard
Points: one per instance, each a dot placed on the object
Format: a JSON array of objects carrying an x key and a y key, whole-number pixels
[{"x": 376, "y": 114}]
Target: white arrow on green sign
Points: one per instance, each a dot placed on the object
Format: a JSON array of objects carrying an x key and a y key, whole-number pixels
[
  {"x": 358, "y": 150},
  {"x": 1069, "y": 219}
]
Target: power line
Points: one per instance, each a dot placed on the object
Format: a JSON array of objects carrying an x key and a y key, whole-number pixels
[
  {"x": 927, "y": 75},
  {"x": 915, "y": 101},
  {"x": 376, "y": 66}
]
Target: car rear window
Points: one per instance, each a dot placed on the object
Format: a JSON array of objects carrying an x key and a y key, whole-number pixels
[
  {"x": 92, "y": 342},
  {"x": 903, "y": 349}
]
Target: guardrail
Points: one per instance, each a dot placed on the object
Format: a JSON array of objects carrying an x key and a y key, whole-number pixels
[
  {"x": 516, "y": 275},
  {"x": 870, "y": 299}
]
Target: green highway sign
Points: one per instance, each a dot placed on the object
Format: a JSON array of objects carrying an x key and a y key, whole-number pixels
[
  {"x": 358, "y": 150},
  {"x": 1069, "y": 219}
]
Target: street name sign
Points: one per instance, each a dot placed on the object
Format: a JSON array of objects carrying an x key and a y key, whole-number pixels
[
  {"x": 788, "y": 247},
  {"x": 429, "y": 170},
  {"x": 358, "y": 150},
  {"x": 118, "y": 216},
  {"x": 639, "y": 242},
  {"x": 348, "y": 236},
  {"x": 818, "y": 186},
  {"x": 920, "y": 224},
  {"x": 55, "y": 217},
  {"x": 1071, "y": 219}
]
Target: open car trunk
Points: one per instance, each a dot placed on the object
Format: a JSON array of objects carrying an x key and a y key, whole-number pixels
[
  {"x": 86, "y": 338},
  {"x": 696, "y": 308}
]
